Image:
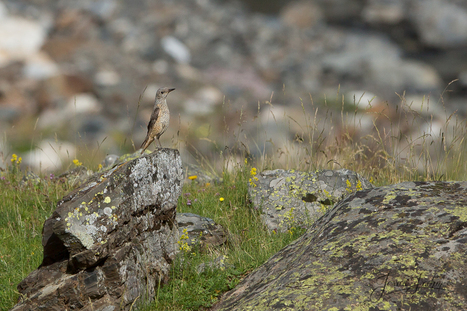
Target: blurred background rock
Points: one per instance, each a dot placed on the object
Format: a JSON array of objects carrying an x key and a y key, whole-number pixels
[{"x": 78, "y": 78}]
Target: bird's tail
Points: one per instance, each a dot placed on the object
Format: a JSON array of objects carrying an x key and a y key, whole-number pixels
[{"x": 145, "y": 143}]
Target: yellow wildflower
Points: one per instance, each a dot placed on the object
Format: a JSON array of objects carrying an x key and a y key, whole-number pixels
[
  {"x": 77, "y": 162},
  {"x": 221, "y": 199},
  {"x": 15, "y": 159},
  {"x": 192, "y": 177}
]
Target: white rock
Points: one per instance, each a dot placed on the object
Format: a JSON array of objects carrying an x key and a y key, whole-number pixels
[
  {"x": 107, "y": 78},
  {"x": 359, "y": 122},
  {"x": 194, "y": 107},
  {"x": 272, "y": 114},
  {"x": 40, "y": 66},
  {"x": 434, "y": 129},
  {"x": 19, "y": 38},
  {"x": 362, "y": 99},
  {"x": 176, "y": 49},
  {"x": 359, "y": 51},
  {"x": 204, "y": 101},
  {"x": 49, "y": 155},
  {"x": 423, "y": 105},
  {"x": 83, "y": 103},
  {"x": 440, "y": 23},
  {"x": 405, "y": 75}
]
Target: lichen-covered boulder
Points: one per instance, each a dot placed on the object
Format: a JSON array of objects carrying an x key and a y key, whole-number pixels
[
  {"x": 111, "y": 241},
  {"x": 400, "y": 247},
  {"x": 293, "y": 198}
]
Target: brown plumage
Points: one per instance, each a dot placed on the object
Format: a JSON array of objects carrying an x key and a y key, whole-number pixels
[{"x": 160, "y": 117}]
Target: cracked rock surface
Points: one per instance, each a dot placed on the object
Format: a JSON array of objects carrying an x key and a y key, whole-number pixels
[
  {"x": 398, "y": 247},
  {"x": 111, "y": 241}
]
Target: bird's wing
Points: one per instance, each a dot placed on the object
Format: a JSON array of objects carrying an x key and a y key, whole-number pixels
[{"x": 154, "y": 117}]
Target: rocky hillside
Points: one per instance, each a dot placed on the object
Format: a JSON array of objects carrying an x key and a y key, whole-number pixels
[{"x": 84, "y": 73}]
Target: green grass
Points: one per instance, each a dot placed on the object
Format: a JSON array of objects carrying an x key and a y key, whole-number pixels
[{"x": 24, "y": 208}]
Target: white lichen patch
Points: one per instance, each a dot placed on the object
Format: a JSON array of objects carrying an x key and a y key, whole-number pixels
[
  {"x": 91, "y": 218},
  {"x": 89, "y": 186},
  {"x": 278, "y": 182},
  {"x": 108, "y": 211},
  {"x": 84, "y": 236}
]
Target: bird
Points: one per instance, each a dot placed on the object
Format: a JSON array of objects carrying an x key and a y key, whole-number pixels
[{"x": 160, "y": 117}]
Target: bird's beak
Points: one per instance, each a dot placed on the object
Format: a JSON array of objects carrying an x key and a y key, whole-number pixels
[{"x": 170, "y": 90}]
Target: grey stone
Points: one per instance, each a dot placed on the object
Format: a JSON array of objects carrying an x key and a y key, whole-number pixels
[
  {"x": 200, "y": 230},
  {"x": 176, "y": 49},
  {"x": 32, "y": 177},
  {"x": 440, "y": 24},
  {"x": 399, "y": 247},
  {"x": 293, "y": 198},
  {"x": 49, "y": 155},
  {"x": 111, "y": 241},
  {"x": 110, "y": 160}
]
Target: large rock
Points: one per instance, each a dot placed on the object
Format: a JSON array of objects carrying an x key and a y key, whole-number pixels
[
  {"x": 400, "y": 247},
  {"x": 111, "y": 241},
  {"x": 293, "y": 198}
]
